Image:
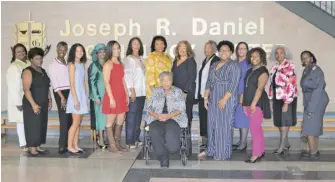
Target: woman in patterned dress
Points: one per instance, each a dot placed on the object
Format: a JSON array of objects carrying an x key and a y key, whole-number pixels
[
  {"x": 283, "y": 94},
  {"x": 156, "y": 62},
  {"x": 221, "y": 98}
]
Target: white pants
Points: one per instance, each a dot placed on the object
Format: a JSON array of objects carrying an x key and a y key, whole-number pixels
[{"x": 21, "y": 134}]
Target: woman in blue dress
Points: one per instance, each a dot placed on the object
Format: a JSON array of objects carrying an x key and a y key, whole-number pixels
[
  {"x": 241, "y": 121},
  {"x": 221, "y": 98},
  {"x": 77, "y": 102}
]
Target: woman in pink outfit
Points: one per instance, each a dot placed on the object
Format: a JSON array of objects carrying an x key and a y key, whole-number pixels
[{"x": 256, "y": 103}]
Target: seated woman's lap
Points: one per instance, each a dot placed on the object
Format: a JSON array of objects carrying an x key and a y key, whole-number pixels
[{"x": 165, "y": 136}]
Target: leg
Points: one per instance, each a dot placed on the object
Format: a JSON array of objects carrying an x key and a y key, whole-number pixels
[
  {"x": 203, "y": 121},
  {"x": 63, "y": 125},
  {"x": 257, "y": 133},
  {"x": 110, "y": 132},
  {"x": 76, "y": 138},
  {"x": 243, "y": 138},
  {"x": 21, "y": 134},
  {"x": 73, "y": 132},
  {"x": 131, "y": 123},
  {"x": 118, "y": 131},
  {"x": 172, "y": 136},
  {"x": 312, "y": 144},
  {"x": 157, "y": 135},
  {"x": 283, "y": 138},
  {"x": 139, "y": 113}
]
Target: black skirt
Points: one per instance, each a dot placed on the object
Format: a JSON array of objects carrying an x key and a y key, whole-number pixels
[{"x": 282, "y": 119}]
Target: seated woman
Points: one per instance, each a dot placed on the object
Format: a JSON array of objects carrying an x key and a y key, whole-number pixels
[{"x": 166, "y": 114}]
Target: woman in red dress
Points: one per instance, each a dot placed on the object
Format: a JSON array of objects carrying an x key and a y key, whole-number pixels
[{"x": 115, "y": 101}]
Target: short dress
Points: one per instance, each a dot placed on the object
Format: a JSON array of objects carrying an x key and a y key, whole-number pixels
[
  {"x": 80, "y": 91},
  {"x": 118, "y": 91}
]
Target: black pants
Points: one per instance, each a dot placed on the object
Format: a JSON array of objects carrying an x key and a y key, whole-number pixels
[
  {"x": 165, "y": 138},
  {"x": 65, "y": 120},
  {"x": 189, "y": 108},
  {"x": 202, "y": 118},
  {"x": 92, "y": 113},
  {"x": 133, "y": 120}
]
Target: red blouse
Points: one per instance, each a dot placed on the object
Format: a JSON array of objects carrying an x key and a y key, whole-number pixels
[{"x": 285, "y": 80}]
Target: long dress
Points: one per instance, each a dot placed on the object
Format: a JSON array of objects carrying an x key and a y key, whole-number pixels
[
  {"x": 35, "y": 125},
  {"x": 220, "y": 123},
  {"x": 118, "y": 91},
  {"x": 80, "y": 91},
  {"x": 241, "y": 120},
  {"x": 315, "y": 100},
  {"x": 97, "y": 91}
]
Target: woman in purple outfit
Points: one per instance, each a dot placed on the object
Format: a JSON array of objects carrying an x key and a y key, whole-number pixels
[{"x": 241, "y": 121}]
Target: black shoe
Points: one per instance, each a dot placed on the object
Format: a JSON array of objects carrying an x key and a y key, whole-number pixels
[
  {"x": 62, "y": 150},
  {"x": 304, "y": 154},
  {"x": 203, "y": 146},
  {"x": 315, "y": 155},
  {"x": 258, "y": 159},
  {"x": 240, "y": 150},
  {"x": 165, "y": 164}
]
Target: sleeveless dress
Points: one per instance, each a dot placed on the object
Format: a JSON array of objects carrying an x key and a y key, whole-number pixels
[
  {"x": 35, "y": 125},
  {"x": 118, "y": 91},
  {"x": 80, "y": 90}
]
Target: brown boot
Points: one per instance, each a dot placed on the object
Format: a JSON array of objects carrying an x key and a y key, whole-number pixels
[
  {"x": 111, "y": 140},
  {"x": 118, "y": 130}
]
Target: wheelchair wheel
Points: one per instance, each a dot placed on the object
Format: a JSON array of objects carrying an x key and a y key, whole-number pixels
[{"x": 183, "y": 156}]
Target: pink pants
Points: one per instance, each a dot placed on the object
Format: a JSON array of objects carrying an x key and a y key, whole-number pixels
[{"x": 256, "y": 130}]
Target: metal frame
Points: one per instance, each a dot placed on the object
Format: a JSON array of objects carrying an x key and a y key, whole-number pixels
[{"x": 326, "y": 6}]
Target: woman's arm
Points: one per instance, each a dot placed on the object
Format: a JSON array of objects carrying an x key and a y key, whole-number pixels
[
  {"x": 150, "y": 78},
  {"x": 92, "y": 82},
  {"x": 130, "y": 76},
  {"x": 192, "y": 75},
  {"x": 125, "y": 87},
  {"x": 290, "y": 86},
  {"x": 234, "y": 78},
  {"x": 14, "y": 83},
  {"x": 318, "y": 92},
  {"x": 180, "y": 103},
  {"x": 72, "y": 70},
  {"x": 54, "y": 81},
  {"x": 26, "y": 81},
  {"x": 262, "y": 80},
  {"x": 107, "y": 68}
]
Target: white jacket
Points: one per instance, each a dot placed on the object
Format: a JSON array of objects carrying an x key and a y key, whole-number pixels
[{"x": 15, "y": 90}]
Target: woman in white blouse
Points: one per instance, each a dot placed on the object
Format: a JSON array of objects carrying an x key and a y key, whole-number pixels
[
  {"x": 135, "y": 80},
  {"x": 15, "y": 91}
]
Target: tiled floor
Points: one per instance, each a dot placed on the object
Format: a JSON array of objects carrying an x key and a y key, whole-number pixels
[{"x": 101, "y": 166}]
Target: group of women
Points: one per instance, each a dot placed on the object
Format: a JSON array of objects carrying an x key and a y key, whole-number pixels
[{"x": 231, "y": 93}]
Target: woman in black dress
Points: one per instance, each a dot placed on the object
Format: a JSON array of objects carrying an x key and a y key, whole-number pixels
[
  {"x": 184, "y": 71},
  {"x": 36, "y": 101}
]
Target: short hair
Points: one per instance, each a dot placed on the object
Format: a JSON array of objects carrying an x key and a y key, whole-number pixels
[
  {"x": 226, "y": 43},
  {"x": 130, "y": 49},
  {"x": 288, "y": 54},
  {"x": 238, "y": 46},
  {"x": 261, "y": 52},
  {"x": 213, "y": 44},
  {"x": 62, "y": 43},
  {"x": 35, "y": 51},
  {"x": 189, "y": 50},
  {"x": 109, "y": 50},
  {"x": 310, "y": 54},
  {"x": 72, "y": 54},
  {"x": 158, "y": 37},
  {"x": 164, "y": 74},
  {"x": 14, "y": 48}
]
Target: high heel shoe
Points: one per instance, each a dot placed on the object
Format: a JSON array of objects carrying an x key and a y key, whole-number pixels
[
  {"x": 258, "y": 159},
  {"x": 241, "y": 150},
  {"x": 279, "y": 153},
  {"x": 100, "y": 146},
  {"x": 287, "y": 148}
]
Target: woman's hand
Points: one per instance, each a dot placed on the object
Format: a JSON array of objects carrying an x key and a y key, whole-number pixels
[
  {"x": 132, "y": 96},
  {"x": 98, "y": 102},
  {"x": 245, "y": 110},
  {"x": 222, "y": 103},
  {"x": 252, "y": 109},
  {"x": 163, "y": 117},
  {"x": 112, "y": 103},
  {"x": 63, "y": 103},
  {"x": 127, "y": 100},
  {"x": 285, "y": 107},
  {"x": 77, "y": 105},
  {"x": 36, "y": 109},
  {"x": 50, "y": 105},
  {"x": 206, "y": 104}
]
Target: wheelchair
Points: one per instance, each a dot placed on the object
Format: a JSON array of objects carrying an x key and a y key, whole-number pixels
[{"x": 185, "y": 145}]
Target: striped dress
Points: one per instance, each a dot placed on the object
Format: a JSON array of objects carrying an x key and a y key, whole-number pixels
[{"x": 220, "y": 123}]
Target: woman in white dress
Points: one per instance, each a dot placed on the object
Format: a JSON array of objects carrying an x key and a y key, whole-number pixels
[{"x": 15, "y": 91}]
